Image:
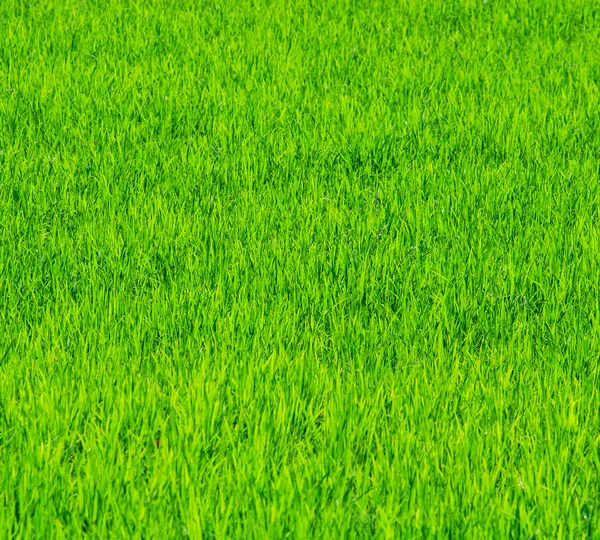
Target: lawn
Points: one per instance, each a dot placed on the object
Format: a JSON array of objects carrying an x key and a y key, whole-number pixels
[{"x": 311, "y": 269}]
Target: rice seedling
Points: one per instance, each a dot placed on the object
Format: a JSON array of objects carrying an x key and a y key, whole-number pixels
[{"x": 310, "y": 269}]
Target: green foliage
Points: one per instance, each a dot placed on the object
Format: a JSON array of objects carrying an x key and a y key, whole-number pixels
[{"x": 299, "y": 269}]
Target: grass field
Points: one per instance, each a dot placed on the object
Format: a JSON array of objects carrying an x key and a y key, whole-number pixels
[{"x": 300, "y": 269}]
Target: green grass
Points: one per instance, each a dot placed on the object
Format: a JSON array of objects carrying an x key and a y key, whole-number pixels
[{"x": 342, "y": 259}]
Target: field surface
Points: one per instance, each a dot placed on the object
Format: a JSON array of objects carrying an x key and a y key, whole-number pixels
[{"x": 299, "y": 269}]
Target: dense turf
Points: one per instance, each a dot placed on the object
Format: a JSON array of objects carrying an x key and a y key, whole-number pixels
[{"x": 302, "y": 268}]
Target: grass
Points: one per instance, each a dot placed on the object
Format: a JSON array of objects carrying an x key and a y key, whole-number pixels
[{"x": 309, "y": 269}]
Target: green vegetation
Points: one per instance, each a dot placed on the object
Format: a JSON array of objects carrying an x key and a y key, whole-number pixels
[{"x": 304, "y": 269}]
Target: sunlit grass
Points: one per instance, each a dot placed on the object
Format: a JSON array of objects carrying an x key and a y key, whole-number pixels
[{"x": 309, "y": 269}]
